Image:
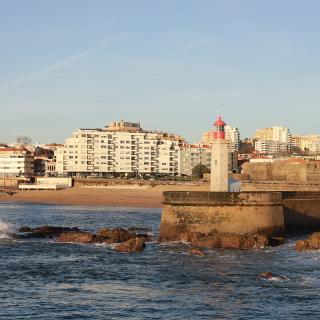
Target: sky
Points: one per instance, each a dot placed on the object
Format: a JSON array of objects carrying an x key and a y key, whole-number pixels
[{"x": 173, "y": 65}]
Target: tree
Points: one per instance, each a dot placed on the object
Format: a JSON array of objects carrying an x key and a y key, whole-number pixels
[
  {"x": 23, "y": 140},
  {"x": 199, "y": 170}
]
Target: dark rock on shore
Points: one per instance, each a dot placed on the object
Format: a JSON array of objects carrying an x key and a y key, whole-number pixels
[
  {"x": 77, "y": 237},
  {"x": 128, "y": 241},
  {"x": 276, "y": 241},
  {"x": 232, "y": 241},
  {"x": 133, "y": 245},
  {"x": 46, "y": 231},
  {"x": 116, "y": 235},
  {"x": 312, "y": 243}
]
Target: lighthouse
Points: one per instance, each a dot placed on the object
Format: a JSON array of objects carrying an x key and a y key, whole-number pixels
[{"x": 219, "y": 158}]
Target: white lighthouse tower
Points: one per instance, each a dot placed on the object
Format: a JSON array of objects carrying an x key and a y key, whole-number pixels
[{"x": 219, "y": 158}]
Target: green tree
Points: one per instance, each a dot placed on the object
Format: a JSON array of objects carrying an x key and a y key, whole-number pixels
[{"x": 199, "y": 170}]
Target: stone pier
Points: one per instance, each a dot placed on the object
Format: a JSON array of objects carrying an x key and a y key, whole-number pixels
[{"x": 250, "y": 213}]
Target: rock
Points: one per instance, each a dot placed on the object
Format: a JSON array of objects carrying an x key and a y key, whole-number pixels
[
  {"x": 276, "y": 241},
  {"x": 210, "y": 242},
  {"x": 25, "y": 229},
  {"x": 185, "y": 237},
  {"x": 145, "y": 237},
  {"x": 46, "y": 231},
  {"x": 233, "y": 242},
  {"x": 250, "y": 243},
  {"x": 312, "y": 243},
  {"x": 77, "y": 237},
  {"x": 116, "y": 235},
  {"x": 229, "y": 241},
  {"x": 133, "y": 245},
  {"x": 261, "y": 241},
  {"x": 302, "y": 245},
  {"x": 196, "y": 252}
]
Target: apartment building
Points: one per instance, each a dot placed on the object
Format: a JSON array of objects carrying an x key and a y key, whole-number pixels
[
  {"x": 122, "y": 147},
  {"x": 273, "y": 140},
  {"x": 16, "y": 162},
  {"x": 270, "y": 147},
  {"x": 193, "y": 155},
  {"x": 306, "y": 143},
  {"x": 233, "y": 135}
]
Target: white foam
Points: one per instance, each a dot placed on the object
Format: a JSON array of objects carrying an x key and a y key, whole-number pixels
[{"x": 6, "y": 230}]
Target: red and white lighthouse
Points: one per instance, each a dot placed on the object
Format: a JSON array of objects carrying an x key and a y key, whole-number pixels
[
  {"x": 219, "y": 129},
  {"x": 219, "y": 158}
]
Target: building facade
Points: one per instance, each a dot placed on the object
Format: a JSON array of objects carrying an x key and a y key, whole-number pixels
[
  {"x": 16, "y": 162},
  {"x": 270, "y": 147},
  {"x": 122, "y": 147},
  {"x": 306, "y": 143},
  {"x": 191, "y": 156},
  {"x": 269, "y": 141}
]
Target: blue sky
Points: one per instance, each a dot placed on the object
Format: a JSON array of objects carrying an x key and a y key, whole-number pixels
[{"x": 171, "y": 64}]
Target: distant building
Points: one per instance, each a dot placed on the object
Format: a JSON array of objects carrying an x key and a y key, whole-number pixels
[
  {"x": 44, "y": 166},
  {"x": 270, "y": 147},
  {"x": 122, "y": 147},
  {"x": 191, "y": 156},
  {"x": 306, "y": 144},
  {"x": 16, "y": 162},
  {"x": 273, "y": 140}
]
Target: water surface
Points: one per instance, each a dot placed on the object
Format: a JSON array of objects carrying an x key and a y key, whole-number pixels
[{"x": 41, "y": 279}]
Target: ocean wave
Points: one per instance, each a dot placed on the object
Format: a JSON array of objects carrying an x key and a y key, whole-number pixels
[{"x": 6, "y": 230}]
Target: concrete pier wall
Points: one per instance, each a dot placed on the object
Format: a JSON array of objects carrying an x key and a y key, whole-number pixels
[
  {"x": 221, "y": 212},
  {"x": 301, "y": 211},
  {"x": 268, "y": 213}
]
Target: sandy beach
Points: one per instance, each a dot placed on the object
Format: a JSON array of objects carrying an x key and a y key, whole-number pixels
[{"x": 140, "y": 198}]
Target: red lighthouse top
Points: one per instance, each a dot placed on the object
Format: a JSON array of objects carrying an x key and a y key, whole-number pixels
[{"x": 219, "y": 129}]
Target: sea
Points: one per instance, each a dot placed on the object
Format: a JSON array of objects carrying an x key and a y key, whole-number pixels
[{"x": 43, "y": 279}]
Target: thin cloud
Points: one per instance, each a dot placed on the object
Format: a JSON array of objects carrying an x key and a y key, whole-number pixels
[{"x": 62, "y": 63}]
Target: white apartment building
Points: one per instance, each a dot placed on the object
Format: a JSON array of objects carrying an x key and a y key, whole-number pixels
[
  {"x": 122, "y": 147},
  {"x": 282, "y": 135},
  {"x": 273, "y": 140},
  {"x": 16, "y": 162},
  {"x": 233, "y": 135},
  {"x": 270, "y": 147}
]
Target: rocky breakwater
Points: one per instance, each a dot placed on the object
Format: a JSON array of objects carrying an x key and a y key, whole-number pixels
[
  {"x": 244, "y": 220},
  {"x": 124, "y": 240}
]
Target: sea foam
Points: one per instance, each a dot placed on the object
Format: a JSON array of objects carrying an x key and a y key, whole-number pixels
[{"x": 6, "y": 230}]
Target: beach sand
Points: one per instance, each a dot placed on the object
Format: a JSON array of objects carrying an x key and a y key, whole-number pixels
[{"x": 139, "y": 198}]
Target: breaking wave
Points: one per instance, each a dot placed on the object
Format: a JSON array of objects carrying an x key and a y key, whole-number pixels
[{"x": 6, "y": 230}]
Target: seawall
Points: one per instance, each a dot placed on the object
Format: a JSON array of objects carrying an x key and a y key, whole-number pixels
[
  {"x": 267, "y": 213},
  {"x": 221, "y": 212}
]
